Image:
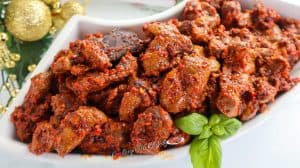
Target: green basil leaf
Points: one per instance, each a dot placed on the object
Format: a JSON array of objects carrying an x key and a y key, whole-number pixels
[
  {"x": 191, "y": 124},
  {"x": 206, "y": 132},
  {"x": 230, "y": 125},
  {"x": 218, "y": 130},
  {"x": 197, "y": 149},
  {"x": 223, "y": 117},
  {"x": 206, "y": 153},
  {"x": 214, "y": 119}
]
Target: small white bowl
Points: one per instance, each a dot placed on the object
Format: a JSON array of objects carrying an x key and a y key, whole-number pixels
[{"x": 75, "y": 29}]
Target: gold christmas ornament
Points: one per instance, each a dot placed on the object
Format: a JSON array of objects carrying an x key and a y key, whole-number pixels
[
  {"x": 17, "y": 91},
  {"x": 28, "y": 20},
  {"x": 10, "y": 64},
  {"x": 56, "y": 11},
  {"x": 14, "y": 93},
  {"x": 12, "y": 77},
  {"x": 31, "y": 67},
  {"x": 3, "y": 37},
  {"x": 7, "y": 59},
  {"x": 58, "y": 22},
  {"x": 15, "y": 56},
  {"x": 52, "y": 30},
  {"x": 56, "y": 5},
  {"x": 4, "y": 56},
  {"x": 70, "y": 9},
  {"x": 7, "y": 85},
  {"x": 56, "y": 8},
  {"x": 49, "y": 2},
  {"x": 4, "y": 52},
  {"x": 2, "y": 109}
]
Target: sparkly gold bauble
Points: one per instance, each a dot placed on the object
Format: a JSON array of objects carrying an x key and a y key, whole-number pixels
[
  {"x": 15, "y": 57},
  {"x": 3, "y": 37},
  {"x": 56, "y": 11},
  {"x": 12, "y": 77},
  {"x": 4, "y": 55},
  {"x": 28, "y": 20},
  {"x": 52, "y": 30},
  {"x": 70, "y": 9},
  {"x": 56, "y": 5},
  {"x": 58, "y": 22},
  {"x": 2, "y": 109},
  {"x": 10, "y": 64},
  {"x": 31, "y": 67},
  {"x": 49, "y": 2}
]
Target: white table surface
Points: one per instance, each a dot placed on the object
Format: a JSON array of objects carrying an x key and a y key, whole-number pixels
[{"x": 275, "y": 143}]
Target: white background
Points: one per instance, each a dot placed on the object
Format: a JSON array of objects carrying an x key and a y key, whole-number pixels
[{"x": 275, "y": 143}]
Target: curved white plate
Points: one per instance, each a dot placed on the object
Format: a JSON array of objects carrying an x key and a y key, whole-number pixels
[{"x": 76, "y": 28}]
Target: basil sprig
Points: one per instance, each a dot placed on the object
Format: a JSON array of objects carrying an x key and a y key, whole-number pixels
[
  {"x": 205, "y": 150},
  {"x": 192, "y": 124}
]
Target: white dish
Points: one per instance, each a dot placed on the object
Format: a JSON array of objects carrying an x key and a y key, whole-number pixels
[{"x": 79, "y": 26}]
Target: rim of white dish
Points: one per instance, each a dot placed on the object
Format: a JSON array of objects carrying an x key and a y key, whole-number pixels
[{"x": 130, "y": 22}]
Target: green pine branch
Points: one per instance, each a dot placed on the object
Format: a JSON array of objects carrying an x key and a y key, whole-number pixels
[{"x": 31, "y": 53}]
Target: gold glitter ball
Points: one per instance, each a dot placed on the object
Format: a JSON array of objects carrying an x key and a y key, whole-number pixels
[
  {"x": 56, "y": 5},
  {"x": 5, "y": 61},
  {"x": 58, "y": 22},
  {"x": 12, "y": 77},
  {"x": 3, "y": 37},
  {"x": 70, "y": 9},
  {"x": 28, "y": 20},
  {"x": 2, "y": 109},
  {"x": 10, "y": 64},
  {"x": 53, "y": 30},
  {"x": 17, "y": 91},
  {"x": 15, "y": 57},
  {"x": 31, "y": 67},
  {"x": 7, "y": 85},
  {"x": 49, "y": 2},
  {"x": 56, "y": 12},
  {"x": 4, "y": 52},
  {"x": 14, "y": 93}
]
